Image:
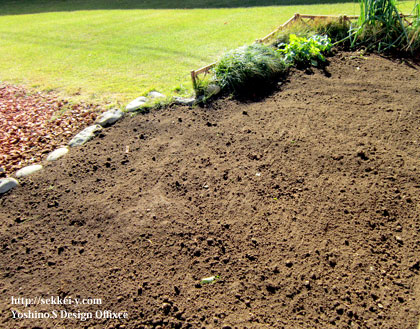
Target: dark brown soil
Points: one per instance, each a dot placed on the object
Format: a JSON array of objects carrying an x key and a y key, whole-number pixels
[{"x": 305, "y": 204}]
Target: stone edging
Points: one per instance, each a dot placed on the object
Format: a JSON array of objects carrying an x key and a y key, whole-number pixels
[{"x": 105, "y": 120}]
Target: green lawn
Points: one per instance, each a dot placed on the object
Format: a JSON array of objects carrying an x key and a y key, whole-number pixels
[{"x": 117, "y": 50}]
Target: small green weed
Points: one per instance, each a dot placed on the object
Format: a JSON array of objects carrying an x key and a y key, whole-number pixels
[
  {"x": 210, "y": 279},
  {"x": 181, "y": 90}
]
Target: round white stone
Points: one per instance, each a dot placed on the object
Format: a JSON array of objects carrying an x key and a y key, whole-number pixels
[
  {"x": 108, "y": 118},
  {"x": 213, "y": 89},
  {"x": 6, "y": 184},
  {"x": 155, "y": 94},
  {"x": 29, "y": 170},
  {"x": 184, "y": 101},
  {"x": 57, "y": 154},
  {"x": 136, "y": 104},
  {"x": 85, "y": 135}
]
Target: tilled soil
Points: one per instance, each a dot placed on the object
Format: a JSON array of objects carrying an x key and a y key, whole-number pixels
[{"x": 306, "y": 205}]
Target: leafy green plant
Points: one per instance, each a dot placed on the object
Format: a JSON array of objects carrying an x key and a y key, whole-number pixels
[
  {"x": 302, "y": 51},
  {"x": 248, "y": 68}
]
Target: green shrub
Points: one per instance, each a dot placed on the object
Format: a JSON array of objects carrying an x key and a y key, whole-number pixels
[{"x": 248, "y": 68}]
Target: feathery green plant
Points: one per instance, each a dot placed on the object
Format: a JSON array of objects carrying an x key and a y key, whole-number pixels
[{"x": 248, "y": 67}]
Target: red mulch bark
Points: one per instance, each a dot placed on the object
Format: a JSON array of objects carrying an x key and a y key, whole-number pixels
[{"x": 33, "y": 124}]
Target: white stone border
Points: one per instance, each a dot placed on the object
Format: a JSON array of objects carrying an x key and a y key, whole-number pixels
[{"x": 105, "y": 120}]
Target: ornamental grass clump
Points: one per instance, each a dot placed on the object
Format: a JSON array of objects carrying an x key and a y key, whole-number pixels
[
  {"x": 249, "y": 69},
  {"x": 382, "y": 27},
  {"x": 414, "y": 30}
]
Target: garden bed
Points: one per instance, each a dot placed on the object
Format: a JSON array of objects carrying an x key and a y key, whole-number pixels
[{"x": 305, "y": 205}]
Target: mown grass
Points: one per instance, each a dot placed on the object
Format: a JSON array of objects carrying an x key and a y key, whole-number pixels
[{"x": 94, "y": 50}]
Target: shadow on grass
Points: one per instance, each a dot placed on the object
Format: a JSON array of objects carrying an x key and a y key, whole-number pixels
[
  {"x": 20, "y": 7},
  {"x": 120, "y": 49}
]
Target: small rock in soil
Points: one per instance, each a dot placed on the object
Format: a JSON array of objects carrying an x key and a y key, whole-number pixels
[
  {"x": 289, "y": 263},
  {"x": 109, "y": 118},
  {"x": 166, "y": 308},
  {"x": 57, "y": 154},
  {"x": 85, "y": 135},
  {"x": 6, "y": 184},
  {"x": 136, "y": 104},
  {"x": 29, "y": 170},
  {"x": 275, "y": 269},
  {"x": 362, "y": 155}
]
